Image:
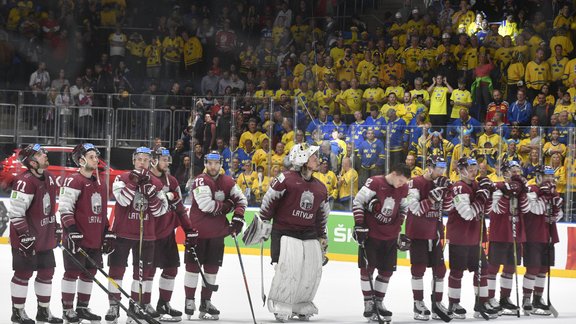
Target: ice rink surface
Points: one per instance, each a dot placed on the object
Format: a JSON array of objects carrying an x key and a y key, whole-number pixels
[{"x": 339, "y": 298}]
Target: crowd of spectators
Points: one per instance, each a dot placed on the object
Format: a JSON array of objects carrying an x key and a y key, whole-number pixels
[{"x": 495, "y": 79}]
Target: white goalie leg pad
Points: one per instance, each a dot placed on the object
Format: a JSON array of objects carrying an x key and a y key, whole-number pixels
[
  {"x": 297, "y": 277},
  {"x": 310, "y": 278}
]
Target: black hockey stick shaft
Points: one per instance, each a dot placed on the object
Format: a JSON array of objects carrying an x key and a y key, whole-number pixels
[
  {"x": 548, "y": 273},
  {"x": 479, "y": 270},
  {"x": 137, "y": 306},
  {"x": 206, "y": 283},
  {"x": 443, "y": 316},
  {"x": 140, "y": 243},
  {"x": 514, "y": 207},
  {"x": 244, "y": 275},
  {"x": 86, "y": 272},
  {"x": 262, "y": 273},
  {"x": 365, "y": 256}
]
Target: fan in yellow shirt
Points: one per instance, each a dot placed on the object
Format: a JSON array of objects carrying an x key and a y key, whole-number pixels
[
  {"x": 460, "y": 99},
  {"x": 347, "y": 184},
  {"x": 351, "y": 99},
  {"x": 374, "y": 95}
]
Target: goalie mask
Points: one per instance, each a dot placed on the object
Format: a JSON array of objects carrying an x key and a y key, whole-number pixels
[{"x": 300, "y": 153}]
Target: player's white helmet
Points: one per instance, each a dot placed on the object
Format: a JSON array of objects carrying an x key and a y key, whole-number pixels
[{"x": 300, "y": 153}]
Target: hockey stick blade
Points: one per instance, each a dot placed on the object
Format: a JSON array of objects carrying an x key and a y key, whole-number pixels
[
  {"x": 139, "y": 311},
  {"x": 443, "y": 316}
]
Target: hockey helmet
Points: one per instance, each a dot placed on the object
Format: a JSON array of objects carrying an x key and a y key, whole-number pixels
[
  {"x": 27, "y": 154},
  {"x": 213, "y": 156},
  {"x": 436, "y": 161},
  {"x": 141, "y": 150},
  {"x": 300, "y": 153},
  {"x": 544, "y": 170},
  {"x": 506, "y": 166},
  {"x": 80, "y": 151},
  {"x": 159, "y": 152},
  {"x": 465, "y": 162}
]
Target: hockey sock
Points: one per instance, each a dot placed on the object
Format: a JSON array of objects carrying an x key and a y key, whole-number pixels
[
  {"x": 147, "y": 277},
  {"x": 166, "y": 284},
  {"x": 210, "y": 272},
  {"x": 381, "y": 283},
  {"x": 19, "y": 287},
  {"x": 454, "y": 285},
  {"x": 539, "y": 284},
  {"x": 418, "y": 288},
  {"x": 191, "y": 280},
  {"x": 491, "y": 277},
  {"x": 417, "y": 271},
  {"x": 528, "y": 284},
  {"x": 506, "y": 281},
  {"x": 85, "y": 287},
  {"x": 439, "y": 273},
  {"x": 43, "y": 286},
  {"x": 68, "y": 292},
  {"x": 365, "y": 276},
  {"x": 116, "y": 273}
]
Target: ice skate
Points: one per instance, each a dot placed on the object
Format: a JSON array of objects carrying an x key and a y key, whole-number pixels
[
  {"x": 167, "y": 313},
  {"x": 539, "y": 308},
  {"x": 45, "y": 316},
  {"x": 282, "y": 318},
  {"x": 189, "y": 308},
  {"x": 439, "y": 307},
  {"x": 112, "y": 314},
  {"x": 368, "y": 309},
  {"x": 85, "y": 314},
  {"x": 70, "y": 317},
  {"x": 484, "y": 308},
  {"x": 495, "y": 305},
  {"x": 507, "y": 307},
  {"x": 301, "y": 317},
  {"x": 456, "y": 311},
  {"x": 385, "y": 314},
  {"x": 421, "y": 312},
  {"x": 19, "y": 316},
  {"x": 527, "y": 306},
  {"x": 208, "y": 311}
]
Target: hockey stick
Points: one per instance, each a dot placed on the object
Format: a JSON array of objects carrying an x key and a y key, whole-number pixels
[
  {"x": 479, "y": 271},
  {"x": 375, "y": 308},
  {"x": 262, "y": 274},
  {"x": 137, "y": 306},
  {"x": 244, "y": 275},
  {"x": 443, "y": 316},
  {"x": 140, "y": 243},
  {"x": 550, "y": 245},
  {"x": 206, "y": 283},
  {"x": 86, "y": 272},
  {"x": 514, "y": 212}
]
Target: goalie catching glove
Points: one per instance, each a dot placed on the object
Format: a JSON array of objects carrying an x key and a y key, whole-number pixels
[{"x": 258, "y": 231}]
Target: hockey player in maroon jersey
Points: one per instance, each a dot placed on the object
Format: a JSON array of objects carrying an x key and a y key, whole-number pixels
[
  {"x": 297, "y": 205},
  {"x": 425, "y": 230},
  {"x": 139, "y": 200},
  {"x": 379, "y": 210},
  {"x": 83, "y": 213},
  {"x": 33, "y": 234},
  {"x": 213, "y": 196},
  {"x": 468, "y": 200},
  {"x": 166, "y": 254},
  {"x": 541, "y": 234},
  {"x": 509, "y": 202}
]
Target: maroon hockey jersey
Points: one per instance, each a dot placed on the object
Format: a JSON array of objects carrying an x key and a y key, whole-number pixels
[
  {"x": 424, "y": 219},
  {"x": 463, "y": 226},
  {"x": 296, "y": 204},
  {"x": 176, "y": 214},
  {"x": 536, "y": 224},
  {"x": 33, "y": 210},
  {"x": 386, "y": 220},
  {"x": 83, "y": 202},
  {"x": 501, "y": 218},
  {"x": 208, "y": 209},
  {"x": 129, "y": 202}
]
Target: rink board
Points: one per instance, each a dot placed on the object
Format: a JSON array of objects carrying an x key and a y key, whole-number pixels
[{"x": 342, "y": 247}]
